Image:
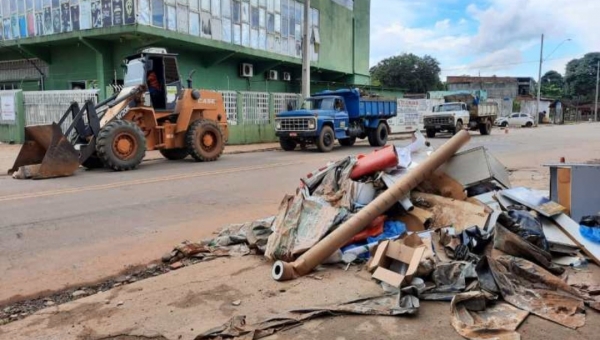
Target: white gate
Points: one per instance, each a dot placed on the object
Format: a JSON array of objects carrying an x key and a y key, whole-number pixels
[
  {"x": 255, "y": 108},
  {"x": 281, "y": 101},
  {"x": 45, "y": 107},
  {"x": 230, "y": 102}
]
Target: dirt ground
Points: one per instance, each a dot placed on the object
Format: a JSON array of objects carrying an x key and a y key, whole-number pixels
[{"x": 186, "y": 302}]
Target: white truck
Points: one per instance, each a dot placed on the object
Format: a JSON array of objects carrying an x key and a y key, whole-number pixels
[{"x": 459, "y": 111}]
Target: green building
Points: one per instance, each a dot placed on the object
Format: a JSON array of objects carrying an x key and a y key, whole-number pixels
[{"x": 237, "y": 45}]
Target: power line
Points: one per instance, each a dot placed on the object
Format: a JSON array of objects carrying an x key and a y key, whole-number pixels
[{"x": 505, "y": 64}]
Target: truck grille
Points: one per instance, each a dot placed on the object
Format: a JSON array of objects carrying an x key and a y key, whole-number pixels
[
  {"x": 439, "y": 120},
  {"x": 295, "y": 124}
]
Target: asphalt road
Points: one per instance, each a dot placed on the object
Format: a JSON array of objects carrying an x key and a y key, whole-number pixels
[{"x": 65, "y": 232}]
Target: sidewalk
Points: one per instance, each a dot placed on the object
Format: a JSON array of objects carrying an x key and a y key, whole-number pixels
[{"x": 9, "y": 152}]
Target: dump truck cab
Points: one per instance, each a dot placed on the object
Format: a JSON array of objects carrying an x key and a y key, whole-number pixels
[{"x": 460, "y": 110}]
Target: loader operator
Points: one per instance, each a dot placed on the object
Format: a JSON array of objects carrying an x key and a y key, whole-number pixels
[{"x": 154, "y": 88}]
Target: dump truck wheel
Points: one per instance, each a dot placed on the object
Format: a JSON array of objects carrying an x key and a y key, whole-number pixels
[
  {"x": 121, "y": 145},
  {"x": 485, "y": 128},
  {"x": 326, "y": 139},
  {"x": 205, "y": 141},
  {"x": 458, "y": 127},
  {"x": 93, "y": 162},
  {"x": 287, "y": 144},
  {"x": 430, "y": 133},
  {"x": 174, "y": 154},
  {"x": 347, "y": 141},
  {"x": 378, "y": 136}
]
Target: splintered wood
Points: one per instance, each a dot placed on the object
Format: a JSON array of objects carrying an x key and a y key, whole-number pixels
[{"x": 449, "y": 212}]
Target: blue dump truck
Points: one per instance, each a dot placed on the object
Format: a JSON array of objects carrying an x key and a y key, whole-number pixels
[{"x": 330, "y": 115}]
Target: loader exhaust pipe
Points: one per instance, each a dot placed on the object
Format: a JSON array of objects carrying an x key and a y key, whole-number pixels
[{"x": 336, "y": 239}]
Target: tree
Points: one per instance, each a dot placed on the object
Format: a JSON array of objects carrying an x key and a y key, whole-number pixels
[
  {"x": 580, "y": 77},
  {"x": 409, "y": 72},
  {"x": 554, "y": 78},
  {"x": 552, "y": 84}
]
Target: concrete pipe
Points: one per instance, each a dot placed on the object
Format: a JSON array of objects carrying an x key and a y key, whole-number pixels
[{"x": 336, "y": 239}]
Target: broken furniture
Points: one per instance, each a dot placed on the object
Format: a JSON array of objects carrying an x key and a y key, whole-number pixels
[{"x": 576, "y": 187}]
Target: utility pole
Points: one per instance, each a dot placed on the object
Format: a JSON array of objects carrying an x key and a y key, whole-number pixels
[
  {"x": 597, "y": 80},
  {"x": 539, "y": 89},
  {"x": 306, "y": 51}
]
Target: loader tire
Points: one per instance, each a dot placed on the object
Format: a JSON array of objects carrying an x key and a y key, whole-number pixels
[
  {"x": 174, "y": 154},
  {"x": 205, "y": 141},
  {"x": 378, "y": 136},
  {"x": 121, "y": 145},
  {"x": 93, "y": 162}
]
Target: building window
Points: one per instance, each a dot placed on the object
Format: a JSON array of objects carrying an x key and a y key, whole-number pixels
[
  {"x": 237, "y": 12},
  {"x": 9, "y": 86},
  {"x": 206, "y": 5},
  {"x": 254, "y": 17},
  {"x": 158, "y": 13}
]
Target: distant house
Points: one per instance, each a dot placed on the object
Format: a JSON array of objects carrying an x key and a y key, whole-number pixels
[{"x": 496, "y": 87}]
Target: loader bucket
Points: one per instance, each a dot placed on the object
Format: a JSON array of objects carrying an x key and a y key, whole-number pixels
[{"x": 46, "y": 153}]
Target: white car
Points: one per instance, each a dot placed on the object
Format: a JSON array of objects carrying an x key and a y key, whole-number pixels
[{"x": 515, "y": 119}]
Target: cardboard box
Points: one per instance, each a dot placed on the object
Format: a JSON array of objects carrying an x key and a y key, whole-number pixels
[{"x": 395, "y": 262}]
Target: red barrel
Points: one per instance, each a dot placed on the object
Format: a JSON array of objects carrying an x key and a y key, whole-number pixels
[{"x": 377, "y": 160}]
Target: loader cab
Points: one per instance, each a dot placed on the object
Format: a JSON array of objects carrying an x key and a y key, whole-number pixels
[{"x": 158, "y": 70}]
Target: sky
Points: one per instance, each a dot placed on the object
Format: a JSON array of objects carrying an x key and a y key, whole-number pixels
[{"x": 487, "y": 37}]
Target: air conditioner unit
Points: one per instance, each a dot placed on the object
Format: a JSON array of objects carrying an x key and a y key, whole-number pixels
[
  {"x": 287, "y": 76},
  {"x": 246, "y": 70},
  {"x": 272, "y": 75}
]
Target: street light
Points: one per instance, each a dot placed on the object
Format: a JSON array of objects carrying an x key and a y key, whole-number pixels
[{"x": 539, "y": 90}]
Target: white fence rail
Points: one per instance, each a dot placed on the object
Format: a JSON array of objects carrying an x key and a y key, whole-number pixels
[
  {"x": 281, "y": 101},
  {"x": 45, "y": 107},
  {"x": 255, "y": 108},
  {"x": 230, "y": 101}
]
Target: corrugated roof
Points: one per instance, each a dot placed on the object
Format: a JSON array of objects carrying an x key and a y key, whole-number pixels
[{"x": 468, "y": 79}]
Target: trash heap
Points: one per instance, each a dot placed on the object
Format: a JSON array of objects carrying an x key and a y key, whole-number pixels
[{"x": 457, "y": 232}]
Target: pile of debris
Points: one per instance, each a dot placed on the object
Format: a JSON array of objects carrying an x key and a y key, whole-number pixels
[{"x": 429, "y": 225}]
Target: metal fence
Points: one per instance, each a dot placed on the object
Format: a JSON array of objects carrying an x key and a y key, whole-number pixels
[
  {"x": 281, "y": 101},
  {"x": 255, "y": 108},
  {"x": 230, "y": 101},
  {"x": 21, "y": 69},
  {"x": 45, "y": 107}
]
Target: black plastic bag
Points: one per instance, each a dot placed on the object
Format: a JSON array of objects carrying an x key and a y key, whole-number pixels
[{"x": 527, "y": 226}]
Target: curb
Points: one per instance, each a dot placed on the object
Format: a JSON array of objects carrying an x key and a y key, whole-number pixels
[{"x": 277, "y": 148}]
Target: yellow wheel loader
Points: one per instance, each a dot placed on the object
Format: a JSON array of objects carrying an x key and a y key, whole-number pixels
[{"x": 152, "y": 112}]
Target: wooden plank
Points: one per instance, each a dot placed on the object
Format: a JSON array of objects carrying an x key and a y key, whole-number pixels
[
  {"x": 554, "y": 234},
  {"x": 571, "y": 229},
  {"x": 449, "y": 212},
  {"x": 534, "y": 200},
  {"x": 564, "y": 188}
]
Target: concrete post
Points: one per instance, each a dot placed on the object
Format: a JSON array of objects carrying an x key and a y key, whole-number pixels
[
  {"x": 306, "y": 51},
  {"x": 539, "y": 89},
  {"x": 597, "y": 83}
]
